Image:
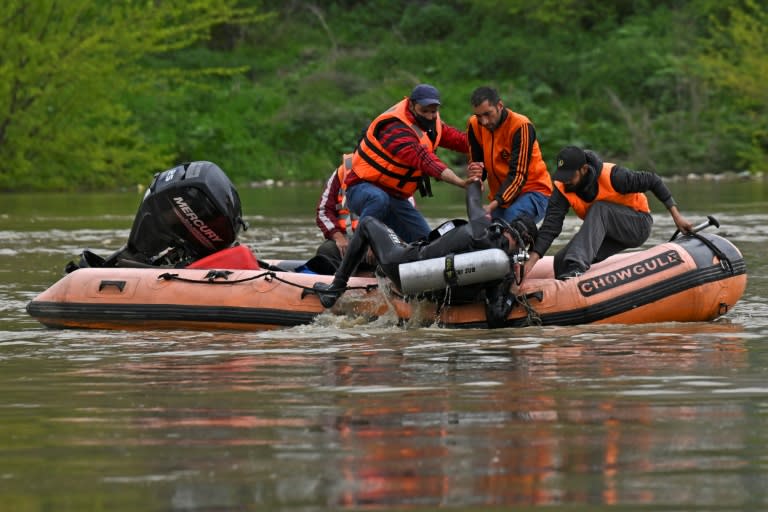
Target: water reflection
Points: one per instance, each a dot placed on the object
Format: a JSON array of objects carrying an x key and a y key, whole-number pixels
[
  {"x": 516, "y": 417},
  {"x": 347, "y": 415},
  {"x": 507, "y": 425}
]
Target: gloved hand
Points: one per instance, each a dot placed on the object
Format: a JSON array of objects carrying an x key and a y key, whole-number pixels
[{"x": 497, "y": 310}]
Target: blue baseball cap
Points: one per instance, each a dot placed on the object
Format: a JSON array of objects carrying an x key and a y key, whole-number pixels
[{"x": 425, "y": 94}]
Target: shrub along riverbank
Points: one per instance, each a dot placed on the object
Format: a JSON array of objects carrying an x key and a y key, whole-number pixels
[{"x": 98, "y": 97}]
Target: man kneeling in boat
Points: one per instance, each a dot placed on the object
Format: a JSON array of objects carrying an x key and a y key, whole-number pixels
[
  {"x": 611, "y": 201},
  {"x": 453, "y": 237}
]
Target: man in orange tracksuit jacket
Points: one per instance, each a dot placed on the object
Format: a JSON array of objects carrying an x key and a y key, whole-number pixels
[{"x": 504, "y": 143}]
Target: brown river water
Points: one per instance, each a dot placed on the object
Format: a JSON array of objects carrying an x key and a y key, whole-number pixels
[{"x": 343, "y": 415}]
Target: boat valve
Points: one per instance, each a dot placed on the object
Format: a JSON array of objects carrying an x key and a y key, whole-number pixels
[{"x": 521, "y": 256}]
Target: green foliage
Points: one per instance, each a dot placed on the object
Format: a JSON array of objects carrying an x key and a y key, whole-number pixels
[
  {"x": 441, "y": 25},
  {"x": 734, "y": 58},
  {"x": 98, "y": 94},
  {"x": 67, "y": 73}
]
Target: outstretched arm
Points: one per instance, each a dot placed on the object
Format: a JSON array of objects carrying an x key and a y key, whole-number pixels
[
  {"x": 626, "y": 181},
  {"x": 451, "y": 177},
  {"x": 681, "y": 222}
]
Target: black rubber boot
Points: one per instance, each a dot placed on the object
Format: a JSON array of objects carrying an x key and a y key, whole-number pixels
[
  {"x": 329, "y": 293},
  {"x": 358, "y": 246}
]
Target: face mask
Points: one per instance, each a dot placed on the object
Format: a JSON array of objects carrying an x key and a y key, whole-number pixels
[
  {"x": 428, "y": 125},
  {"x": 585, "y": 179},
  {"x": 572, "y": 188}
]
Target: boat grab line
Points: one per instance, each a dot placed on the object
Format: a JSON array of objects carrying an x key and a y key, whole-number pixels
[{"x": 269, "y": 275}]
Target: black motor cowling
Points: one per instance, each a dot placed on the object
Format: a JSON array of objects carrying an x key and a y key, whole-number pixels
[{"x": 188, "y": 212}]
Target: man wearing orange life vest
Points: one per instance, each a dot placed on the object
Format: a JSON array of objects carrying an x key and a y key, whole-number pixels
[
  {"x": 336, "y": 222},
  {"x": 396, "y": 157},
  {"x": 504, "y": 142},
  {"x": 611, "y": 201},
  {"x": 333, "y": 217}
]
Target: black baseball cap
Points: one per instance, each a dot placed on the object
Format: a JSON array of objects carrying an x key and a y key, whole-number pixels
[{"x": 569, "y": 160}]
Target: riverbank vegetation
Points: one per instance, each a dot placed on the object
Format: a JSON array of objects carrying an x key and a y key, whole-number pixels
[{"x": 98, "y": 95}]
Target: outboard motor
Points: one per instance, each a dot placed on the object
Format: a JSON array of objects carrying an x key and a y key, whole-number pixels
[{"x": 188, "y": 212}]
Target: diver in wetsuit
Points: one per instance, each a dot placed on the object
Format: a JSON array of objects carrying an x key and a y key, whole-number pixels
[{"x": 452, "y": 237}]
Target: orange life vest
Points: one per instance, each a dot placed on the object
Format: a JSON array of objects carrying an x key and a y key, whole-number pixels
[
  {"x": 346, "y": 218},
  {"x": 375, "y": 164},
  {"x": 605, "y": 192},
  {"x": 497, "y": 150}
]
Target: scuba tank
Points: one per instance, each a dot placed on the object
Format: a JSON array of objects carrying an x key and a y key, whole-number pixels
[{"x": 453, "y": 270}]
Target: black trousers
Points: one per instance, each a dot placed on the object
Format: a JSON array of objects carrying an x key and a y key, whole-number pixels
[{"x": 608, "y": 228}]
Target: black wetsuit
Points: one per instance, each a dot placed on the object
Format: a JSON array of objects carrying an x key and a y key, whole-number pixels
[
  {"x": 453, "y": 237},
  {"x": 458, "y": 236}
]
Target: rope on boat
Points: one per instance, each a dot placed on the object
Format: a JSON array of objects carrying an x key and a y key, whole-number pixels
[
  {"x": 445, "y": 302},
  {"x": 212, "y": 276},
  {"x": 532, "y": 317}
]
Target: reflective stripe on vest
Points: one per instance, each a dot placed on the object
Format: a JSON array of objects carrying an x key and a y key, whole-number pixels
[{"x": 346, "y": 218}]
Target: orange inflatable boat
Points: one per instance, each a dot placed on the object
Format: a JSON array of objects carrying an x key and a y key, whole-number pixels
[{"x": 693, "y": 278}]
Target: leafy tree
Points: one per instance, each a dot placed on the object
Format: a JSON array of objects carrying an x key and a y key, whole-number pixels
[
  {"x": 66, "y": 69},
  {"x": 95, "y": 94},
  {"x": 734, "y": 58}
]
